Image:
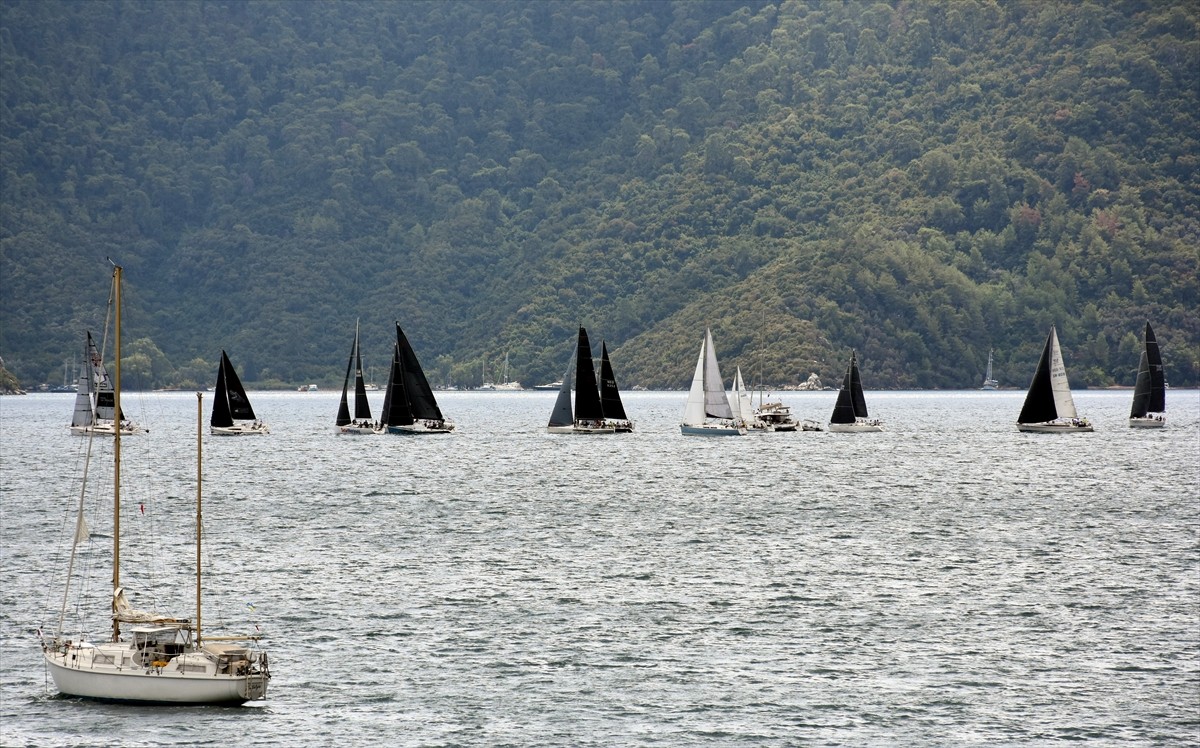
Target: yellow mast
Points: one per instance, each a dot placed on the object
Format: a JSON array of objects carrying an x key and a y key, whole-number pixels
[
  {"x": 116, "y": 578},
  {"x": 199, "y": 477}
]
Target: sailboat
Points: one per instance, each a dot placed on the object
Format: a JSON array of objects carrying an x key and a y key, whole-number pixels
[
  {"x": 768, "y": 417},
  {"x": 505, "y": 384},
  {"x": 610, "y": 395},
  {"x": 988, "y": 382},
  {"x": 1149, "y": 409},
  {"x": 232, "y": 414},
  {"x": 95, "y": 412},
  {"x": 150, "y": 658},
  {"x": 1049, "y": 407},
  {"x": 850, "y": 411},
  {"x": 361, "y": 423},
  {"x": 409, "y": 406},
  {"x": 588, "y": 414},
  {"x": 707, "y": 399},
  {"x": 741, "y": 403}
]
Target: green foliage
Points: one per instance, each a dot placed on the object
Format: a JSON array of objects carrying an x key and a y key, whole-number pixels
[{"x": 920, "y": 182}]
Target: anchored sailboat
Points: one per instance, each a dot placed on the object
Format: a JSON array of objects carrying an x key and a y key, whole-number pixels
[
  {"x": 988, "y": 382},
  {"x": 409, "y": 406},
  {"x": 232, "y": 414},
  {"x": 361, "y": 423},
  {"x": 1149, "y": 409},
  {"x": 707, "y": 399},
  {"x": 150, "y": 658},
  {"x": 850, "y": 411},
  {"x": 95, "y": 411},
  {"x": 1049, "y": 407}
]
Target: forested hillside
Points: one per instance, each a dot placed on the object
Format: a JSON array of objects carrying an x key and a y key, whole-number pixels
[{"x": 920, "y": 181}]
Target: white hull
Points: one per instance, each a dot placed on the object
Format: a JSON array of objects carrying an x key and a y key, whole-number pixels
[
  {"x": 858, "y": 427},
  {"x": 76, "y": 672},
  {"x": 240, "y": 430},
  {"x": 1055, "y": 427},
  {"x": 107, "y": 428},
  {"x": 770, "y": 428},
  {"x": 359, "y": 430},
  {"x": 711, "y": 429},
  {"x": 421, "y": 428},
  {"x": 1149, "y": 422},
  {"x": 577, "y": 429}
]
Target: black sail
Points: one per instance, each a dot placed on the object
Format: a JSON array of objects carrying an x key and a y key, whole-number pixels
[
  {"x": 1039, "y": 401},
  {"x": 561, "y": 415},
  {"x": 856, "y": 390},
  {"x": 362, "y": 407},
  {"x": 843, "y": 409},
  {"x": 229, "y": 400},
  {"x": 422, "y": 404},
  {"x": 343, "y": 415},
  {"x": 587, "y": 394},
  {"x": 610, "y": 395},
  {"x": 395, "y": 402},
  {"x": 1149, "y": 394}
]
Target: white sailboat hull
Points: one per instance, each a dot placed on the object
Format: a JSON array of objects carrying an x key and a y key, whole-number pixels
[
  {"x": 1055, "y": 427},
  {"x": 578, "y": 429},
  {"x": 421, "y": 428},
  {"x": 711, "y": 429},
  {"x": 108, "y": 428},
  {"x": 130, "y": 682},
  {"x": 1150, "y": 421},
  {"x": 861, "y": 426},
  {"x": 240, "y": 430},
  {"x": 358, "y": 430}
]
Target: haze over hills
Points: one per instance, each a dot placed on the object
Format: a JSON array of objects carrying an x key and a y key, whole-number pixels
[{"x": 919, "y": 181}]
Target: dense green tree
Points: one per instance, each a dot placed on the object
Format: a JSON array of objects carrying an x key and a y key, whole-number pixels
[{"x": 921, "y": 181}]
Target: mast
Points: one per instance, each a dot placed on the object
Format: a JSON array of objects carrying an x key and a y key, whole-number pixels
[
  {"x": 199, "y": 478},
  {"x": 116, "y": 575}
]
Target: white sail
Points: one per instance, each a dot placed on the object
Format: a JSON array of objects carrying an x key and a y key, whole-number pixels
[
  {"x": 693, "y": 411},
  {"x": 741, "y": 404},
  {"x": 716, "y": 403},
  {"x": 1063, "y": 402}
]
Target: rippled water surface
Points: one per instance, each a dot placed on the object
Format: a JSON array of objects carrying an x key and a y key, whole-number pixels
[{"x": 948, "y": 582}]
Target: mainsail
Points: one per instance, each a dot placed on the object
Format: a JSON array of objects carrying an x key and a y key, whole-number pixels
[
  {"x": 421, "y": 403},
  {"x": 1149, "y": 393},
  {"x": 587, "y": 394}
]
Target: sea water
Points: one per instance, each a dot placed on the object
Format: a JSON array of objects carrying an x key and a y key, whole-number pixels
[{"x": 947, "y": 582}]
